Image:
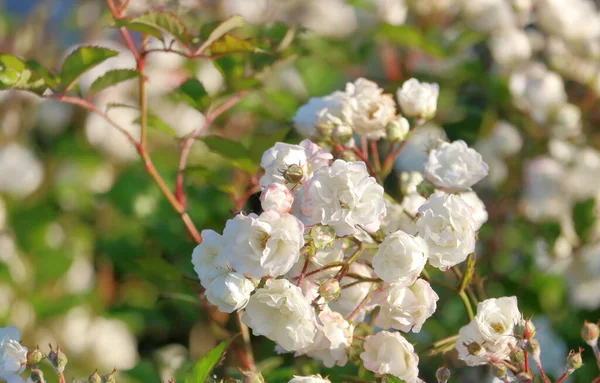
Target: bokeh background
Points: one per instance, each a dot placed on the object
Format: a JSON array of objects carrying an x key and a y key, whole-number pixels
[{"x": 92, "y": 257}]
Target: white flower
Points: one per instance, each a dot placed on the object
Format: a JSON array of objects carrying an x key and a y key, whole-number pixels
[
  {"x": 455, "y": 167},
  {"x": 400, "y": 258},
  {"x": 510, "y": 47},
  {"x": 371, "y": 110},
  {"x": 566, "y": 123},
  {"x": 393, "y": 12},
  {"x": 229, "y": 292},
  {"x": 277, "y": 197},
  {"x": 545, "y": 192},
  {"x": 333, "y": 338},
  {"x": 389, "y": 353},
  {"x": 351, "y": 297},
  {"x": 488, "y": 15},
  {"x": 405, "y": 308},
  {"x": 496, "y": 319},
  {"x": 309, "y": 379},
  {"x": 418, "y": 99},
  {"x": 280, "y": 312},
  {"x": 208, "y": 258},
  {"x": 446, "y": 224},
  {"x": 320, "y": 110},
  {"x": 13, "y": 356},
  {"x": 414, "y": 155},
  {"x": 277, "y": 159},
  {"x": 480, "y": 214},
  {"x": 345, "y": 197},
  {"x": 265, "y": 245},
  {"x": 470, "y": 346},
  {"x": 21, "y": 170},
  {"x": 505, "y": 139}
]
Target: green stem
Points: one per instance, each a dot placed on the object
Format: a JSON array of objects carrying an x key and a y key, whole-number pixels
[{"x": 465, "y": 299}]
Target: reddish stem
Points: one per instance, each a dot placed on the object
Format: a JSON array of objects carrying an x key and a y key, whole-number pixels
[
  {"x": 360, "y": 305},
  {"x": 375, "y": 153}
]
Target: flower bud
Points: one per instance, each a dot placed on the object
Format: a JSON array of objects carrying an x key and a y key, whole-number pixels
[
  {"x": 253, "y": 377},
  {"x": 574, "y": 360},
  {"x": 533, "y": 347},
  {"x": 524, "y": 377},
  {"x": 443, "y": 374},
  {"x": 342, "y": 134},
  {"x": 94, "y": 378},
  {"x": 349, "y": 156},
  {"x": 397, "y": 129},
  {"x": 293, "y": 174},
  {"x": 109, "y": 378},
  {"x": 418, "y": 100},
  {"x": 499, "y": 370},
  {"x": 590, "y": 333},
  {"x": 330, "y": 289},
  {"x": 34, "y": 357},
  {"x": 276, "y": 197},
  {"x": 57, "y": 359},
  {"x": 322, "y": 236},
  {"x": 525, "y": 329},
  {"x": 36, "y": 376},
  {"x": 517, "y": 356},
  {"x": 473, "y": 348}
]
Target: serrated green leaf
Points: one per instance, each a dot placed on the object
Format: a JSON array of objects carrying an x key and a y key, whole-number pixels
[
  {"x": 408, "y": 36},
  {"x": 192, "y": 91},
  {"x": 80, "y": 61},
  {"x": 205, "y": 365},
  {"x": 393, "y": 379},
  {"x": 155, "y": 23},
  {"x": 262, "y": 142},
  {"x": 113, "y": 77},
  {"x": 230, "y": 44},
  {"x": 18, "y": 74},
  {"x": 155, "y": 122},
  {"x": 226, "y": 26},
  {"x": 12, "y": 62},
  {"x": 50, "y": 78}
]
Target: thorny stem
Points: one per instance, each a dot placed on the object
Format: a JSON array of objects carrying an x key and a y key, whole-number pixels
[
  {"x": 538, "y": 363},
  {"x": 360, "y": 305},
  {"x": 525, "y": 361},
  {"x": 61, "y": 377},
  {"x": 563, "y": 377}
]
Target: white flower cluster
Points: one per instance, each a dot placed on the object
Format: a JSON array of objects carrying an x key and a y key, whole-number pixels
[
  {"x": 490, "y": 336},
  {"x": 364, "y": 109},
  {"x": 13, "y": 356},
  {"x": 330, "y": 247}
]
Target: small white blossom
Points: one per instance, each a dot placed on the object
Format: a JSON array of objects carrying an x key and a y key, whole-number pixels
[
  {"x": 400, "y": 258},
  {"x": 345, "y": 197},
  {"x": 480, "y": 214},
  {"x": 333, "y": 338},
  {"x": 280, "y": 312},
  {"x": 208, "y": 258},
  {"x": 446, "y": 224},
  {"x": 229, "y": 292},
  {"x": 321, "y": 111},
  {"x": 371, "y": 110},
  {"x": 505, "y": 139},
  {"x": 496, "y": 319},
  {"x": 277, "y": 197},
  {"x": 265, "y": 245},
  {"x": 389, "y": 353},
  {"x": 397, "y": 129},
  {"x": 309, "y": 379},
  {"x": 276, "y": 160},
  {"x": 418, "y": 99},
  {"x": 510, "y": 47},
  {"x": 455, "y": 167},
  {"x": 13, "y": 356},
  {"x": 405, "y": 308}
]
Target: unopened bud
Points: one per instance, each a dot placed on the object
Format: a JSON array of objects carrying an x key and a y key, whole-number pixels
[
  {"x": 517, "y": 356},
  {"x": 293, "y": 174},
  {"x": 533, "y": 347},
  {"x": 322, "y": 236},
  {"x": 499, "y": 370},
  {"x": 58, "y": 359},
  {"x": 574, "y": 360},
  {"x": 473, "y": 348},
  {"x": 443, "y": 374},
  {"x": 342, "y": 134},
  {"x": 524, "y": 377},
  {"x": 525, "y": 329},
  {"x": 397, "y": 129},
  {"x": 94, "y": 378},
  {"x": 109, "y": 378},
  {"x": 349, "y": 156},
  {"x": 330, "y": 289},
  {"x": 36, "y": 376},
  {"x": 590, "y": 333},
  {"x": 425, "y": 189},
  {"x": 34, "y": 357}
]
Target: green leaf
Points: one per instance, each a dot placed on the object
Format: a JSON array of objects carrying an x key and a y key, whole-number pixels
[
  {"x": 231, "y": 44},
  {"x": 18, "y": 74},
  {"x": 113, "y": 77},
  {"x": 236, "y": 153},
  {"x": 155, "y": 23},
  {"x": 584, "y": 218},
  {"x": 80, "y": 61},
  {"x": 408, "y": 36},
  {"x": 155, "y": 122},
  {"x": 50, "y": 78},
  {"x": 226, "y": 26},
  {"x": 192, "y": 91},
  {"x": 204, "y": 366},
  {"x": 262, "y": 142},
  {"x": 393, "y": 379}
]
